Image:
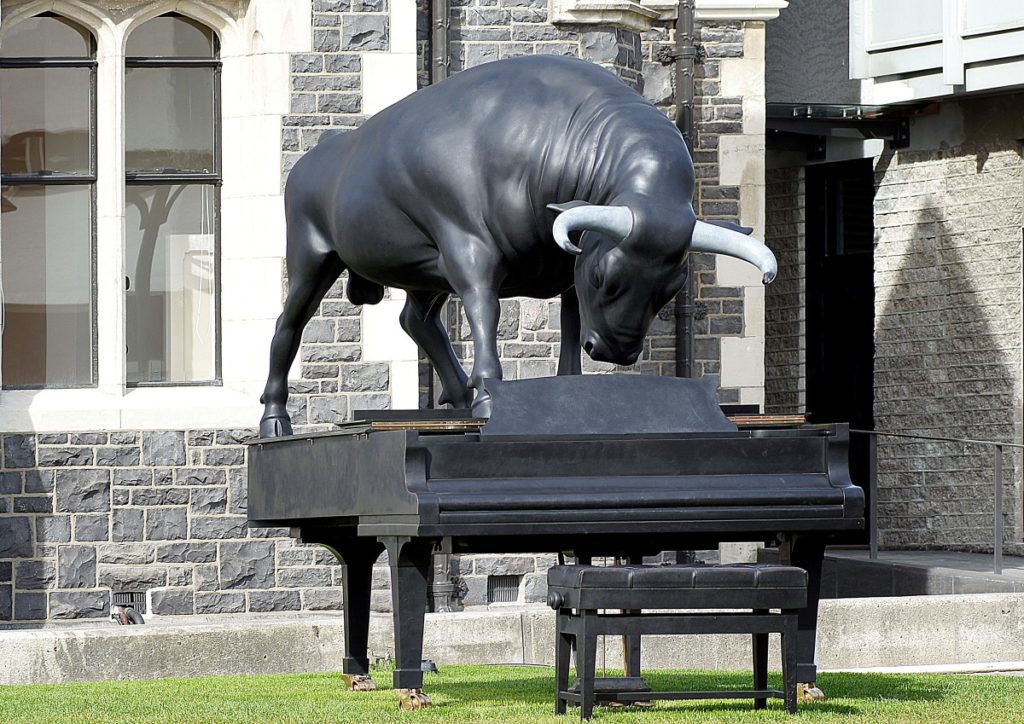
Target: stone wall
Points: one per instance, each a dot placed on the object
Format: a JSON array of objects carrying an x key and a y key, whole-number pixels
[
  {"x": 91, "y": 513},
  {"x": 785, "y": 315},
  {"x": 948, "y": 330}
]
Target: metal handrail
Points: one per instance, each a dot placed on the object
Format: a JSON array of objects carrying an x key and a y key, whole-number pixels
[{"x": 873, "y": 435}]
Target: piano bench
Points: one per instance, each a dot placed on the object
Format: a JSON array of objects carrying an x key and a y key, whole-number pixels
[{"x": 578, "y": 592}]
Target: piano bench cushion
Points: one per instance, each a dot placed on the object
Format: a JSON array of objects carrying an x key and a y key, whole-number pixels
[{"x": 738, "y": 585}]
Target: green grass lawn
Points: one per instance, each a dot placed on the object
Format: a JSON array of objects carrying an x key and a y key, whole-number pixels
[{"x": 503, "y": 694}]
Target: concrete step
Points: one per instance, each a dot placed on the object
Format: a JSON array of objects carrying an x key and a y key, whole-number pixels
[{"x": 854, "y": 633}]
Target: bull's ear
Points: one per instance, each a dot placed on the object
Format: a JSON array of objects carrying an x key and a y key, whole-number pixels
[{"x": 559, "y": 208}]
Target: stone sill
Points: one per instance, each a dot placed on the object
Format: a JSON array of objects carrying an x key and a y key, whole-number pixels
[
  {"x": 722, "y": 10},
  {"x": 623, "y": 14},
  {"x": 150, "y": 408}
]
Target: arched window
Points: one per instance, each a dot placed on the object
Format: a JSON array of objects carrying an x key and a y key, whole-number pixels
[
  {"x": 172, "y": 163},
  {"x": 47, "y": 235}
]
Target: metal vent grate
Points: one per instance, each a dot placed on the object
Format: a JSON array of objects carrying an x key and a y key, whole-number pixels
[
  {"x": 134, "y": 600},
  {"x": 503, "y": 589}
]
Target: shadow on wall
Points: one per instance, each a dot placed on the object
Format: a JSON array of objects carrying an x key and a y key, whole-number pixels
[{"x": 948, "y": 333}]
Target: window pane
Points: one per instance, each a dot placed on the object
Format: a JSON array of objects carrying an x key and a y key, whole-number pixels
[
  {"x": 47, "y": 284},
  {"x": 46, "y": 120},
  {"x": 46, "y": 37},
  {"x": 170, "y": 36},
  {"x": 169, "y": 119},
  {"x": 170, "y": 300}
]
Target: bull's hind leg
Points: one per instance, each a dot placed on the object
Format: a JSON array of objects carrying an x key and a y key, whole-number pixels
[
  {"x": 313, "y": 266},
  {"x": 421, "y": 320}
]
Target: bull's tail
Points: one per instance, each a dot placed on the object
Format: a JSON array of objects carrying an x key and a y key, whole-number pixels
[{"x": 722, "y": 240}]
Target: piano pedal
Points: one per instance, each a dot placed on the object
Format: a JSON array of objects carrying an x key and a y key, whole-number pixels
[
  {"x": 807, "y": 693},
  {"x": 358, "y": 682},
  {"x": 412, "y": 699}
]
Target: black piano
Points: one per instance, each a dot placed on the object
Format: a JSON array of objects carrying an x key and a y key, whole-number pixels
[{"x": 596, "y": 465}]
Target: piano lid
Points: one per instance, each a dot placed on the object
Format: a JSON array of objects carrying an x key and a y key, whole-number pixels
[{"x": 603, "y": 405}]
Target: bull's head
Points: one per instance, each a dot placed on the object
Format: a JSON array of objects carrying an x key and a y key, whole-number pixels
[{"x": 623, "y": 276}]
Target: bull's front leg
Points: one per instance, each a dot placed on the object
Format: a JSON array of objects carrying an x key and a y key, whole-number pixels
[
  {"x": 569, "y": 353},
  {"x": 482, "y": 311}
]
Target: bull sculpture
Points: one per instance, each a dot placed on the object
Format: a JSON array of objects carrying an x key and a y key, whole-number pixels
[{"x": 535, "y": 177}]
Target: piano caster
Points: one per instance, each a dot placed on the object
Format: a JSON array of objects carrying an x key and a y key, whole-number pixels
[
  {"x": 807, "y": 693},
  {"x": 412, "y": 699},
  {"x": 358, "y": 682}
]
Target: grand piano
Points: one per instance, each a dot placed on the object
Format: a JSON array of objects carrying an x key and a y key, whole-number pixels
[{"x": 596, "y": 465}]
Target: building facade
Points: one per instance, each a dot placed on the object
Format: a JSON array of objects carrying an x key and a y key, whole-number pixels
[
  {"x": 896, "y": 199},
  {"x": 145, "y": 144}
]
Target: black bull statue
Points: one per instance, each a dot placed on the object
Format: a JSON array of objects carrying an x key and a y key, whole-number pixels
[{"x": 530, "y": 177}]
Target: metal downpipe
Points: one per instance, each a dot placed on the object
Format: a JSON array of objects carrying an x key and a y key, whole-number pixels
[{"x": 686, "y": 60}]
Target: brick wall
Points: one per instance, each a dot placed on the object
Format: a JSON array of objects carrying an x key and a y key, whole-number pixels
[
  {"x": 948, "y": 338},
  {"x": 785, "y": 327}
]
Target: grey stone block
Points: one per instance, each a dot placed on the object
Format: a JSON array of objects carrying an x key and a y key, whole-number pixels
[
  {"x": 303, "y": 577},
  {"x": 327, "y": 41},
  {"x": 78, "y": 604},
  {"x": 188, "y": 552},
  {"x": 535, "y": 588},
  {"x": 29, "y": 606},
  {"x": 38, "y": 481},
  {"x": 207, "y": 577},
  {"x": 53, "y": 528},
  {"x": 365, "y": 377},
  {"x": 117, "y": 457},
  {"x": 239, "y": 436},
  {"x": 214, "y": 527},
  {"x": 15, "y": 537},
  {"x": 82, "y": 491},
  {"x": 10, "y": 483},
  {"x": 19, "y": 451},
  {"x": 179, "y": 576},
  {"x": 343, "y": 63},
  {"x": 200, "y": 438},
  {"x": 160, "y": 496},
  {"x": 220, "y": 602},
  {"x": 133, "y": 476},
  {"x": 132, "y": 578},
  {"x": 35, "y": 575},
  {"x": 329, "y": 409},
  {"x": 128, "y": 524},
  {"x": 209, "y": 501},
  {"x": 88, "y": 438},
  {"x": 360, "y": 33},
  {"x": 64, "y": 456},
  {"x": 267, "y": 601},
  {"x": 238, "y": 492},
  {"x": 600, "y": 45},
  {"x": 322, "y": 599},
  {"x": 166, "y": 524},
  {"x": 6, "y": 603},
  {"x": 52, "y": 438},
  {"x": 504, "y": 565},
  {"x": 124, "y": 438},
  {"x": 163, "y": 448},
  {"x": 200, "y": 476},
  {"x": 224, "y": 456},
  {"x": 33, "y": 504},
  {"x": 76, "y": 567},
  {"x": 126, "y": 553},
  {"x": 248, "y": 564},
  {"x": 6, "y": 572},
  {"x": 172, "y": 602},
  {"x": 92, "y": 528}
]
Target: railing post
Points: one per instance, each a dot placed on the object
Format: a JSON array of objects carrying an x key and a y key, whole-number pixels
[
  {"x": 997, "y": 548},
  {"x": 873, "y": 495}
]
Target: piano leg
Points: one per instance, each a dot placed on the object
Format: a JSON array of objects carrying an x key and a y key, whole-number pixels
[
  {"x": 807, "y": 552},
  {"x": 357, "y": 557},
  {"x": 410, "y": 561}
]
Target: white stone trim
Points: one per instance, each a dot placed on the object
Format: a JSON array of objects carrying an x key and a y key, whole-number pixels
[
  {"x": 257, "y": 38},
  {"x": 722, "y": 10},
  {"x": 624, "y": 14}
]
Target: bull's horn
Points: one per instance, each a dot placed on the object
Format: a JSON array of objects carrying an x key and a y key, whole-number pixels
[
  {"x": 616, "y": 221},
  {"x": 717, "y": 240}
]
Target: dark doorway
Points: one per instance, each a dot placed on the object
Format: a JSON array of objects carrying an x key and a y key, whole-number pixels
[{"x": 841, "y": 301}]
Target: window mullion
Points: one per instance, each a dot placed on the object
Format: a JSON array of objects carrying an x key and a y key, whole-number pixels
[{"x": 110, "y": 212}]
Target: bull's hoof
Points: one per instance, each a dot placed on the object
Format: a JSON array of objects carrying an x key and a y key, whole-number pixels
[
  {"x": 482, "y": 405},
  {"x": 806, "y": 693},
  {"x": 358, "y": 682},
  {"x": 275, "y": 426},
  {"x": 412, "y": 699}
]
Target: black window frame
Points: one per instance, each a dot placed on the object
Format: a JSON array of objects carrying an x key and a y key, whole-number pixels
[
  {"x": 49, "y": 178},
  {"x": 214, "y": 178}
]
